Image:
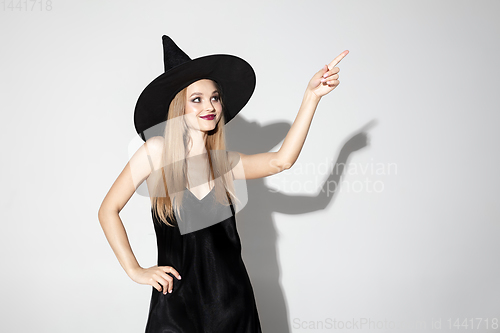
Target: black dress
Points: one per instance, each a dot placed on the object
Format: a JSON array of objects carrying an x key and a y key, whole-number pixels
[{"x": 214, "y": 294}]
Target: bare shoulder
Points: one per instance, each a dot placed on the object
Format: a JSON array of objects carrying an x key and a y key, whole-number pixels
[
  {"x": 234, "y": 158},
  {"x": 154, "y": 147},
  {"x": 136, "y": 170},
  {"x": 235, "y": 164}
]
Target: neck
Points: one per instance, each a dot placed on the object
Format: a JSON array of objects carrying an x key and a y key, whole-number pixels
[{"x": 198, "y": 139}]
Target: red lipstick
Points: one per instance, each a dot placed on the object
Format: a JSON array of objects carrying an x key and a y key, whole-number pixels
[{"x": 208, "y": 117}]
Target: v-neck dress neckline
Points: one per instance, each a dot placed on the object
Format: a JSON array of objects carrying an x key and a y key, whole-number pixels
[{"x": 206, "y": 195}]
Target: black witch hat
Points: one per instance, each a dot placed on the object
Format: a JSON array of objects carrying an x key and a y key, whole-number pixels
[{"x": 234, "y": 75}]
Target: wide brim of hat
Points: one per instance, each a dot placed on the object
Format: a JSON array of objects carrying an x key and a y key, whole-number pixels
[{"x": 234, "y": 75}]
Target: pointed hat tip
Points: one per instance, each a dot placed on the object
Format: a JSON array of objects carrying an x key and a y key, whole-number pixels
[{"x": 167, "y": 41}]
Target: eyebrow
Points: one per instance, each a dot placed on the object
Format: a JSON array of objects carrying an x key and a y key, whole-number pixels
[{"x": 199, "y": 93}]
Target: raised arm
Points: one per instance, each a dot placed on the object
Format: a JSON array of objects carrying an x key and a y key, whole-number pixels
[{"x": 270, "y": 163}]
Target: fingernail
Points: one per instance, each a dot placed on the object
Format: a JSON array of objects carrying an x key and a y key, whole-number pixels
[
  {"x": 323, "y": 80},
  {"x": 170, "y": 291},
  {"x": 179, "y": 277}
]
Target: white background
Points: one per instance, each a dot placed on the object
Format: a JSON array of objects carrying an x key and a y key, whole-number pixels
[{"x": 416, "y": 113}]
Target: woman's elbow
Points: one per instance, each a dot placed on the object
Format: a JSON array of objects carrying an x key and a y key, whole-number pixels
[{"x": 283, "y": 165}]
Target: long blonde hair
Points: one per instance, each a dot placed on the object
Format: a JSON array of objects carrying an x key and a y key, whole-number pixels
[{"x": 171, "y": 177}]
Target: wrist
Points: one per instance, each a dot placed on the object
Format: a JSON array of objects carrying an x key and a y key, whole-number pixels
[
  {"x": 131, "y": 272},
  {"x": 309, "y": 95}
]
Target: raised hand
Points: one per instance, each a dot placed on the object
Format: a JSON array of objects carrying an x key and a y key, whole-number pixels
[{"x": 327, "y": 78}]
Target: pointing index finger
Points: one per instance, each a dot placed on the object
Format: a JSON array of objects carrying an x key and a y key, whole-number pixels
[{"x": 337, "y": 60}]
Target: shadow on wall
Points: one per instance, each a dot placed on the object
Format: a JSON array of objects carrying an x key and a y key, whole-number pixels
[{"x": 255, "y": 223}]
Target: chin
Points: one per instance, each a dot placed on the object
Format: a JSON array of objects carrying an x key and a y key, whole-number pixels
[{"x": 208, "y": 129}]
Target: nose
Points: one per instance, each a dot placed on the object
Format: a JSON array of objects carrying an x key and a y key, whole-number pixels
[{"x": 209, "y": 106}]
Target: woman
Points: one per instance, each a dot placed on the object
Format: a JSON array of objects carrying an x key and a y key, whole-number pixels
[{"x": 181, "y": 115}]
